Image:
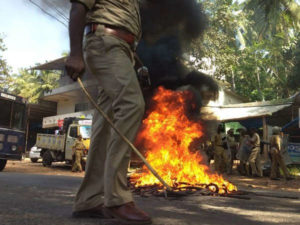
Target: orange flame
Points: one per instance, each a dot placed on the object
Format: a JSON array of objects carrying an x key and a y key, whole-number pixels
[{"x": 166, "y": 135}]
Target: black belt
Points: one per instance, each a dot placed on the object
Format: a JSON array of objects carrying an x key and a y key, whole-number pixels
[{"x": 120, "y": 33}]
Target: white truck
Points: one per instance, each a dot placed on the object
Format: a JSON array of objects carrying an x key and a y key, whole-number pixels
[{"x": 58, "y": 147}]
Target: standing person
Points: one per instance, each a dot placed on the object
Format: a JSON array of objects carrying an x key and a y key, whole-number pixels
[
  {"x": 254, "y": 158},
  {"x": 112, "y": 29},
  {"x": 232, "y": 148},
  {"x": 244, "y": 151},
  {"x": 220, "y": 155},
  {"x": 277, "y": 159},
  {"x": 209, "y": 151},
  {"x": 77, "y": 151}
]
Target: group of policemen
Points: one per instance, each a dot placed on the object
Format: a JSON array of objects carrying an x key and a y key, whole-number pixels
[
  {"x": 226, "y": 149},
  {"x": 247, "y": 149}
]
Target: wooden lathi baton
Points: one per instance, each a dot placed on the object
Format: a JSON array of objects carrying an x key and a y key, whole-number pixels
[{"x": 168, "y": 188}]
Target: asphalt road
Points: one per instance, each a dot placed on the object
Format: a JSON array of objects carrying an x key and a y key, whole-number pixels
[{"x": 32, "y": 199}]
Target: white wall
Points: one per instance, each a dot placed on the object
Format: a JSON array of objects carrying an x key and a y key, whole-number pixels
[
  {"x": 231, "y": 99},
  {"x": 64, "y": 107},
  {"x": 225, "y": 98},
  {"x": 68, "y": 106}
]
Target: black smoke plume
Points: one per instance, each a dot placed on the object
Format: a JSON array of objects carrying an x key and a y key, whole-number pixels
[{"x": 169, "y": 26}]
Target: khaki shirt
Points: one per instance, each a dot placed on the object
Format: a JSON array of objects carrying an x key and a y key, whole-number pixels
[
  {"x": 244, "y": 140},
  {"x": 255, "y": 140},
  {"x": 275, "y": 142},
  {"x": 217, "y": 140},
  {"x": 78, "y": 145},
  {"x": 231, "y": 141},
  {"x": 118, "y": 13}
]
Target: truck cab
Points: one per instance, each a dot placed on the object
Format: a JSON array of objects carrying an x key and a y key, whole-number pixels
[
  {"x": 58, "y": 147},
  {"x": 82, "y": 127}
]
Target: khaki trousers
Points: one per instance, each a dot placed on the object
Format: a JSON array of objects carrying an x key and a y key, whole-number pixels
[
  {"x": 254, "y": 161},
  {"x": 77, "y": 164},
  {"x": 110, "y": 60},
  {"x": 278, "y": 160},
  {"x": 220, "y": 159},
  {"x": 232, "y": 157}
]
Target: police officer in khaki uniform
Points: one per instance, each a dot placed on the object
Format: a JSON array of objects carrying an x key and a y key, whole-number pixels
[
  {"x": 220, "y": 155},
  {"x": 111, "y": 29},
  {"x": 232, "y": 144},
  {"x": 77, "y": 150},
  {"x": 243, "y": 152},
  {"x": 277, "y": 159},
  {"x": 254, "y": 158}
]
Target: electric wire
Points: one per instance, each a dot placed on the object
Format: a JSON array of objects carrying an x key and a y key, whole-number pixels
[
  {"x": 49, "y": 14},
  {"x": 60, "y": 13}
]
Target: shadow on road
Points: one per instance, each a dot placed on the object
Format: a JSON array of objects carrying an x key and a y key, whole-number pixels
[{"x": 39, "y": 199}]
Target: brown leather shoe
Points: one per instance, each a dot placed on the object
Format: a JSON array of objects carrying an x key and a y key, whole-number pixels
[
  {"x": 96, "y": 212},
  {"x": 127, "y": 214}
]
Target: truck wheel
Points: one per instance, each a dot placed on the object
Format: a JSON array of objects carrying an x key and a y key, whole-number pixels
[
  {"x": 47, "y": 158},
  {"x": 34, "y": 160},
  {"x": 2, "y": 164}
]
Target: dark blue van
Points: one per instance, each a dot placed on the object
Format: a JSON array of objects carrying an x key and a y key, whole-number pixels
[{"x": 12, "y": 128}]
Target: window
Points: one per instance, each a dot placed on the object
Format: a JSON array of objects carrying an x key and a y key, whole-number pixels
[
  {"x": 12, "y": 139},
  {"x": 73, "y": 132},
  {"x": 18, "y": 117},
  {"x": 81, "y": 107},
  {"x": 5, "y": 112},
  {"x": 85, "y": 131},
  {"x": 294, "y": 135}
]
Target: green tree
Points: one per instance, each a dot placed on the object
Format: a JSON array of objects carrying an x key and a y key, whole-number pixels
[
  {"x": 268, "y": 64},
  {"x": 294, "y": 82},
  {"x": 273, "y": 16},
  {"x": 257, "y": 62},
  {"x": 33, "y": 84},
  {"x": 223, "y": 41},
  {"x": 29, "y": 84},
  {"x": 4, "y": 68},
  {"x": 276, "y": 28},
  {"x": 220, "y": 43}
]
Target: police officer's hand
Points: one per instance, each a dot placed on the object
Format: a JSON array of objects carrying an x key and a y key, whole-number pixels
[
  {"x": 144, "y": 77},
  {"x": 143, "y": 71},
  {"x": 75, "y": 66}
]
